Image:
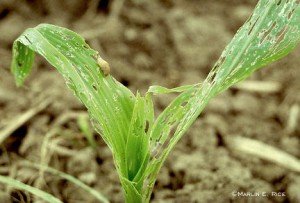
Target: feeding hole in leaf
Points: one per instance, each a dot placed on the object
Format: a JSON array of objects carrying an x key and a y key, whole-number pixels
[
  {"x": 281, "y": 34},
  {"x": 213, "y": 76},
  {"x": 86, "y": 46},
  {"x": 27, "y": 39},
  {"x": 279, "y": 2},
  {"x": 252, "y": 26},
  {"x": 95, "y": 87},
  {"x": 266, "y": 33},
  {"x": 184, "y": 104},
  {"x": 147, "y": 125},
  {"x": 20, "y": 63},
  {"x": 290, "y": 14}
]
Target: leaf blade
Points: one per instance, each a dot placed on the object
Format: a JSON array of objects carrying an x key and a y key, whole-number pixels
[
  {"x": 37, "y": 192},
  {"x": 109, "y": 103},
  {"x": 239, "y": 59}
]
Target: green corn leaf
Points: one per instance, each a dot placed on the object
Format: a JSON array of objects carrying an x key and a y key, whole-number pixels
[
  {"x": 132, "y": 194},
  {"x": 156, "y": 89},
  {"x": 149, "y": 112},
  {"x": 137, "y": 149},
  {"x": 169, "y": 118},
  {"x": 21, "y": 186},
  {"x": 137, "y": 142},
  {"x": 117, "y": 115},
  {"x": 270, "y": 33},
  {"x": 109, "y": 103}
]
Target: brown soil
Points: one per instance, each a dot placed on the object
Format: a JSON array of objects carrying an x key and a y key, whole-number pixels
[{"x": 149, "y": 42}]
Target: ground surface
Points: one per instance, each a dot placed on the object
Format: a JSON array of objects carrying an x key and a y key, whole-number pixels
[{"x": 146, "y": 43}]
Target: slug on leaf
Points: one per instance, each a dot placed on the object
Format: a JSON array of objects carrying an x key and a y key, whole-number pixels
[{"x": 104, "y": 66}]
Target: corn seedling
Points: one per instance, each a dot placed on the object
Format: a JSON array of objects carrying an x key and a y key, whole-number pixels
[{"x": 140, "y": 143}]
